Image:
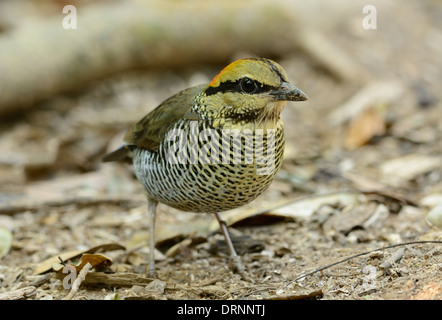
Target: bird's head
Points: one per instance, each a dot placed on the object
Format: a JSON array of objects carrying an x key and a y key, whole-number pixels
[{"x": 250, "y": 90}]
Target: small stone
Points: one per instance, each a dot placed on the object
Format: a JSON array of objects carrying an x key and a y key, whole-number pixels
[{"x": 434, "y": 217}]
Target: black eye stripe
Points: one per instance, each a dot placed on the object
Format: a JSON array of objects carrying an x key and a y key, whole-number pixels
[{"x": 235, "y": 86}]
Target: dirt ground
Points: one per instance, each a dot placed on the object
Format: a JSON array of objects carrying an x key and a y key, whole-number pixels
[{"x": 362, "y": 172}]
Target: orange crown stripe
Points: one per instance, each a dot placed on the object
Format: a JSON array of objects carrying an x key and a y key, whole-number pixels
[{"x": 216, "y": 81}]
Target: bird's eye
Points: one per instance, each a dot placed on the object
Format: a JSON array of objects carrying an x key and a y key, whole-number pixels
[{"x": 248, "y": 85}]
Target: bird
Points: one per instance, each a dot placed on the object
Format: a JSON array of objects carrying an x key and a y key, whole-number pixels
[{"x": 212, "y": 147}]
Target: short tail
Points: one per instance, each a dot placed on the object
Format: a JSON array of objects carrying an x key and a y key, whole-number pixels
[{"x": 121, "y": 154}]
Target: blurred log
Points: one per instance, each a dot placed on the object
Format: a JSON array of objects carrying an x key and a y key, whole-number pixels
[{"x": 43, "y": 59}]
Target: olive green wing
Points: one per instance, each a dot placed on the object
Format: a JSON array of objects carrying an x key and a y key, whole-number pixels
[{"x": 152, "y": 129}]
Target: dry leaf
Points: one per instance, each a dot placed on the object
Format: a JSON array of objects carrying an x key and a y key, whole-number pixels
[
  {"x": 5, "y": 241},
  {"x": 98, "y": 262},
  {"x": 54, "y": 260},
  {"x": 344, "y": 221},
  {"x": 361, "y": 182},
  {"x": 46, "y": 265},
  {"x": 434, "y": 217},
  {"x": 236, "y": 215},
  {"x": 177, "y": 248},
  {"x": 383, "y": 92},
  {"x": 431, "y": 200},
  {"x": 304, "y": 208},
  {"x": 364, "y": 128},
  {"x": 86, "y": 188},
  {"x": 400, "y": 170},
  {"x": 114, "y": 296}
]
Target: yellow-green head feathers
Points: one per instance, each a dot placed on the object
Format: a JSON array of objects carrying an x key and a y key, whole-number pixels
[
  {"x": 263, "y": 71},
  {"x": 250, "y": 90}
]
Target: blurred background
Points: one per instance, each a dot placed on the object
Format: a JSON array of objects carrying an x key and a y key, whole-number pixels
[{"x": 73, "y": 79}]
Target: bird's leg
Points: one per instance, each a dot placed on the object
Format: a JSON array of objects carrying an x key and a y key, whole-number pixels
[
  {"x": 151, "y": 211},
  {"x": 235, "y": 260}
]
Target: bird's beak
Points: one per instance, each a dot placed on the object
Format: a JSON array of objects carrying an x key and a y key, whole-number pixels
[{"x": 288, "y": 92}]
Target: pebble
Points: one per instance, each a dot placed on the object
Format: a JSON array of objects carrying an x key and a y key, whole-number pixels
[{"x": 434, "y": 217}]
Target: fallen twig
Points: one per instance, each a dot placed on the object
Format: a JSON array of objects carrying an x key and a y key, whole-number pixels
[
  {"x": 77, "y": 283},
  {"x": 362, "y": 254},
  {"x": 22, "y": 293}
]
